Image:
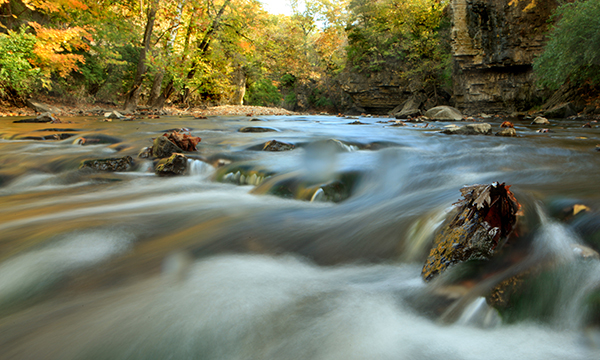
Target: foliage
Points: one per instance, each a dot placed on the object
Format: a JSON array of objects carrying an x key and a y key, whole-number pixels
[
  {"x": 263, "y": 93},
  {"x": 573, "y": 50},
  {"x": 18, "y": 77}
]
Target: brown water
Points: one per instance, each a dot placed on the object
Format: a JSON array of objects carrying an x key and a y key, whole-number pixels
[{"x": 133, "y": 266}]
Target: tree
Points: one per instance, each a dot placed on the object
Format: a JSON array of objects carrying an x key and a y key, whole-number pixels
[{"x": 572, "y": 53}]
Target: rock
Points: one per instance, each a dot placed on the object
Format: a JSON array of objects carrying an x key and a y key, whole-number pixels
[
  {"x": 484, "y": 218},
  {"x": 113, "y": 164},
  {"x": 257, "y": 129},
  {"x": 444, "y": 113},
  {"x": 510, "y": 132},
  {"x": 163, "y": 148},
  {"x": 275, "y": 145},
  {"x": 114, "y": 115},
  {"x": 597, "y": 147},
  {"x": 560, "y": 111},
  {"x": 357, "y": 122},
  {"x": 507, "y": 124},
  {"x": 469, "y": 129},
  {"x": 43, "y": 118},
  {"x": 540, "y": 121},
  {"x": 41, "y": 107},
  {"x": 176, "y": 164},
  {"x": 410, "y": 113}
]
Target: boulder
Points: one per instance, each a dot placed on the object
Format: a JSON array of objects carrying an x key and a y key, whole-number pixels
[
  {"x": 560, "y": 111},
  {"x": 510, "y": 132},
  {"x": 469, "y": 129},
  {"x": 176, "y": 164},
  {"x": 540, "y": 121},
  {"x": 444, "y": 113},
  {"x": 484, "y": 218},
  {"x": 163, "y": 148},
  {"x": 113, "y": 164},
  {"x": 410, "y": 109},
  {"x": 275, "y": 145},
  {"x": 145, "y": 153}
]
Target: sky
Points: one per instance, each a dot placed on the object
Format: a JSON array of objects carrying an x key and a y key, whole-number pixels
[{"x": 277, "y": 6}]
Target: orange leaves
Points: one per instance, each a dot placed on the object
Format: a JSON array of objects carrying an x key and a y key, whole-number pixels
[
  {"x": 184, "y": 141},
  {"x": 507, "y": 124},
  {"x": 53, "y": 46},
  {"x": 53, "y": 6}
]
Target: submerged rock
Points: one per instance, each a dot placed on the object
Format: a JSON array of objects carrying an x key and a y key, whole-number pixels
[
  {"x": 444, "y": 113},
  {"x": 112, "y": 164},
  {"x": 469, "y": 129},
  {"x": 560, "y": 111},
  {"x": 114, "y": 115},
  {"x": 175, "y": 165},
  {"x": 275, "y": 145},
  {"x": 257, "y": 129},
  {"x": 484, "y": 218},
  {"x": 510, "y": 132}
]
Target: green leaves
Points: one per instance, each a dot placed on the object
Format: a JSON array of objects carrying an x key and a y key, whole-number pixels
[
  {"x": 573, "y": 50},
  {"x": 18, "y": 77}
]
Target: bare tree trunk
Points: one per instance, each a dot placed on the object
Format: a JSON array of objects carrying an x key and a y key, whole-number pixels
[{"x": 133, "y": 95}]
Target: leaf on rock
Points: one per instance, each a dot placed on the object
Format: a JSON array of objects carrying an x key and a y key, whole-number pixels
[{"x": 186, "y": 142}]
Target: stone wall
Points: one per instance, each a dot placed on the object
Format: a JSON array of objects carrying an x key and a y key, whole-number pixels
[{"x": 494, "y": 43}]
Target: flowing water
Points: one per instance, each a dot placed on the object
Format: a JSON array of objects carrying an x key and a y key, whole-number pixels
[{"x": 221, "y": 264}]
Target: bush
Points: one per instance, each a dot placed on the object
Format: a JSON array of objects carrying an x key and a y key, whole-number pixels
[
  {"x": 18, "y": 78},
  {"x": 263, "y": 93},
  {"x": 573, "y": 50}
]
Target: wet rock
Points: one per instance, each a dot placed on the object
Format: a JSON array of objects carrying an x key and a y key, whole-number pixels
[
  {"x": 112, "y": 164},
  {"x": 275, "y": 145},
  {"x": 176, "y": 164},
  {"x": 257, "y": 129},
  {"x": 543, "y": 131},
  {"x": 444, "y": 113},
  {"x": 407, "y": 114},
  {"x": 43, "y": 118},
  {"x": 483, "y": 219},
  {"x": 255, "y": 119},
  {"x": 507, "y": 124},
  {"x": 540, "y": 121},
  {"x": 597, "y": 147},
  {"x": 61, "y": 136},
  {"x": 561, "y": 111},
  {"x": 469, "y": 129},
  {"x": 510, "y": 132},
  {"x": 163, "y": 148}
]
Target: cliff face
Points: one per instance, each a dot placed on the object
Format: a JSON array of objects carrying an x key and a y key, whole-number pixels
[
  {"x": 494, "y": 43},
  {"x": 375, "y": 93}
]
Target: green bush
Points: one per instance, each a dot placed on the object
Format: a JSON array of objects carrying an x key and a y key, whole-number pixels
[
  {"x": 263, "y": 93},
  {"x": 18, "y": 77},
  {"x": 573, "y": 50}
]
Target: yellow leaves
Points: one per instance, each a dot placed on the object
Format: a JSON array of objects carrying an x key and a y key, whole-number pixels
[
  {"x": 53, "y": 6},
  {"x": 53, "y": 47},
  {"x": 530, "y": 6}
]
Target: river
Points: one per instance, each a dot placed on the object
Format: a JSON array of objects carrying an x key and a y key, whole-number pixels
[{"x": 210, "y": 265}]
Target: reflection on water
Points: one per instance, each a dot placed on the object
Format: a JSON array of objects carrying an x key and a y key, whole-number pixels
[{"x": 133, "y": 266}]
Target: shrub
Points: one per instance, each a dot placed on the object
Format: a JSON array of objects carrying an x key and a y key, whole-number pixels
[
  {"x": 18, "y": 77},
  {"x": 263, "y": 93}
]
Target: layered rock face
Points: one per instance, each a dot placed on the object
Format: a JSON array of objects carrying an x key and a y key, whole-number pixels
[
  {"x": 494, "y": 43},
  {"x": 376, "y": 93}
]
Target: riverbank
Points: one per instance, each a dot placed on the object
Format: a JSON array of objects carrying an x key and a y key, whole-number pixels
[{"x": 87, "y": 109}]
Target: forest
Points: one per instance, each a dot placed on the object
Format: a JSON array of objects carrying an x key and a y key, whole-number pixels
[{"x": 153, "y": 53}]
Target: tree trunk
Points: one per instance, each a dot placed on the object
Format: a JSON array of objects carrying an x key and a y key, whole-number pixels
[
  {"x": 203, "y": 47},
  {"x": 133, "y": 95},
  {"x": 240, "y": 84}
]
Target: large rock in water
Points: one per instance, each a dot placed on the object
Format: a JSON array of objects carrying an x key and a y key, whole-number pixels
[
  {"x": 113, "y": 164},
  {"x": 485, "y": 216},
  {"x": 177, "y": 164},
  {"x": 444, "y": 113}
]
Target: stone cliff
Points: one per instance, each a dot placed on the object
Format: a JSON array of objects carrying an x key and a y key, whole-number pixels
[{"x": 494, "y": 43}]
